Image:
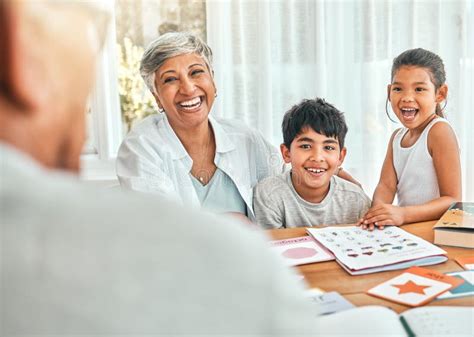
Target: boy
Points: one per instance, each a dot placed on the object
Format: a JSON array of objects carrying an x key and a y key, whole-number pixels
[{"x": 311, "y": 194}]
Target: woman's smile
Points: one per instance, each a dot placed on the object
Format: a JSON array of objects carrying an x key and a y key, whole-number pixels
[{"x": 191, "y": 104}]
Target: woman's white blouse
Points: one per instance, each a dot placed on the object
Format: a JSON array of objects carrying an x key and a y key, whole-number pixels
[{"x": 152, "y": 159}]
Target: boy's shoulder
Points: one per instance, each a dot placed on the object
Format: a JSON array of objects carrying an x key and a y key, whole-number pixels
[
  {"x": 350, "y": 194},
  {"x": 344, "y": 186},
  {"x": 273, "y": 182},
  {"x": 273, "y": 185}
]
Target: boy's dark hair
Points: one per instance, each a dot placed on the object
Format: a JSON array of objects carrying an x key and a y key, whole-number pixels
[
  {"x": 316, "y": 114},
  {"x": 423, "y": 58}
]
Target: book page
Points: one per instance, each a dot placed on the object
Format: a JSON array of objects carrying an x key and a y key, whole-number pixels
[
  {"x": 362, "y": 321},
  {"x": 360, "y": 249},
  {"x": 441, "y": 321}
]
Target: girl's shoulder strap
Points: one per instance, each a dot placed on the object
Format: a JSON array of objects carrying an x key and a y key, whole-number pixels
[
  {"x": 397, "y": 135},
  {"x": 436, "y": 120},
  {"x": 441, "y": 120},
  {"x": 433, "y": 122},
  {"x": 397, "y": 131}
]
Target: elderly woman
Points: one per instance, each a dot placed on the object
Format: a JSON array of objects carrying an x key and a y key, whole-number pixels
[{"x": 183, "y": 153}]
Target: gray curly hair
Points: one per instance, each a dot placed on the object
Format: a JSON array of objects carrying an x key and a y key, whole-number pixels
[{"x": 170, "y": 45}]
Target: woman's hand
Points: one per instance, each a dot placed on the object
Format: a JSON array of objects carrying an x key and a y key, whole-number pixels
[
  {"x": 382, "y": 215},
  {"x": 341, "y": 173}
]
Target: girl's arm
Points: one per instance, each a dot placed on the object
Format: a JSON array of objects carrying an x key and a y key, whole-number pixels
[
  {"x": 384, "y": 192},
  {"x": 444, "y": 150},
  {"x": 387, "y": 187}
]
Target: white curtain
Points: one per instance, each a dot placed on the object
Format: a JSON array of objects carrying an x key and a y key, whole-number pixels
[{"x": 271, "y": 54}]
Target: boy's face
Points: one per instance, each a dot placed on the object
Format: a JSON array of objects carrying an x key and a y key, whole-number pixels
[{"x": 314, "y": 159}]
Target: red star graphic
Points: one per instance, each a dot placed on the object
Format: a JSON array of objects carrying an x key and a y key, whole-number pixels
[{"x": 410, "y": 287}]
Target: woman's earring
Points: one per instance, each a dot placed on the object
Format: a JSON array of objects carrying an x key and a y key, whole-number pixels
[{"x": 215, "y": 95}]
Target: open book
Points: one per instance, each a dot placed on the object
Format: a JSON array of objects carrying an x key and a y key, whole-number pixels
[
  {"x": 360, "y": 251},
  {"x": 380, "y": 321}
]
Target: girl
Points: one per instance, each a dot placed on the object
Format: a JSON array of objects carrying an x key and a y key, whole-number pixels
[{"x": 422, "y": 166}]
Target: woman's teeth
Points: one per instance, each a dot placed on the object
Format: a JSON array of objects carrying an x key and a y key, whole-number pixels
[{"x": 191, "y": 104}]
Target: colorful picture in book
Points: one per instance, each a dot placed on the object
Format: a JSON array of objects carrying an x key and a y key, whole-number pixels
[
  {"x": 301, "y": 250},
  {"x": 358, "y": 248}
]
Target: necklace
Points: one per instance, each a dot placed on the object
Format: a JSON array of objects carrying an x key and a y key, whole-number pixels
[{"x": 202, "y": 175}]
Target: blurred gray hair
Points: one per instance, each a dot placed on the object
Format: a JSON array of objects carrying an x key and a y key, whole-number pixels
[{"x": 170, "y": 45}]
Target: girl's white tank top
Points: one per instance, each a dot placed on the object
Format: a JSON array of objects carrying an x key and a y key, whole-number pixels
[{"x": 417, "y": 181}]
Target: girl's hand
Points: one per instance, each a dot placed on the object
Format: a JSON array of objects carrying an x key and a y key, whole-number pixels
[{"x": 382, "y": 215}]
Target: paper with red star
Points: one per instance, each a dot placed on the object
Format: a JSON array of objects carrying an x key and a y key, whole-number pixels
[
  {"x": 410, "y": 287},
  {"x": 415, "y": 286}
]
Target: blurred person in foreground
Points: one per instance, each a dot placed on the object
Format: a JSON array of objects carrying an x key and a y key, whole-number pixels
[{"x": 79, "y": 261}]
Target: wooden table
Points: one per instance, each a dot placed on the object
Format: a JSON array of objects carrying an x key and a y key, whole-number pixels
[{"x": 329, "y": 276}]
